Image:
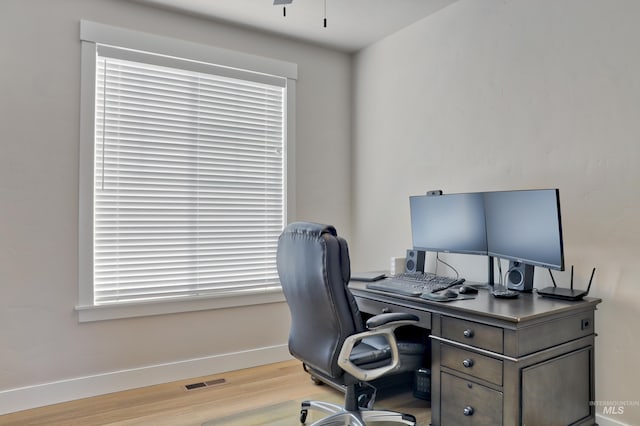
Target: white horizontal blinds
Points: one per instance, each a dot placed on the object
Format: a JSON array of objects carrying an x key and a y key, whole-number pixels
[{"x": 189, "y": 183}]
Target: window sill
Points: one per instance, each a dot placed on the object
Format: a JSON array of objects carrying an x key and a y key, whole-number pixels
[{"x": 90, "y": 313}]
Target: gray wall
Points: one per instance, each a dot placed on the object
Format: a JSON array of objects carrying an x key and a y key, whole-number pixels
[
  {"x": 41, "y": 340},
  {"x": 517, "y": 94},
  {"x": 483, "y": 95}
]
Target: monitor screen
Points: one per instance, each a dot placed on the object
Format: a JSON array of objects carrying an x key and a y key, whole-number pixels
[
  {"x": 525, "y": 226},
  {"x": 452, "y": 223}
]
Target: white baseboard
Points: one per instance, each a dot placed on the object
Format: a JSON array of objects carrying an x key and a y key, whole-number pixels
[
  {"x": 27, "y": 397},
  {"x": 608, "y": 421}
]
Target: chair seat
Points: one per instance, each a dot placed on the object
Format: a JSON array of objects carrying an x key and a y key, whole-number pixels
[{"x": 374, "y": 351}]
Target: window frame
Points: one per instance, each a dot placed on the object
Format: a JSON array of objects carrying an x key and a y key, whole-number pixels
[{"x": 91, "y": 34}]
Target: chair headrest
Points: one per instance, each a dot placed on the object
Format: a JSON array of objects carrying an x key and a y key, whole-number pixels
[
  {"x": 310, "y": 228},
  {"x": 313, "y": 230}
]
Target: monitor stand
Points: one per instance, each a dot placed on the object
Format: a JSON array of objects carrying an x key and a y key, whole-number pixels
[{"x": 490, "y": 272}]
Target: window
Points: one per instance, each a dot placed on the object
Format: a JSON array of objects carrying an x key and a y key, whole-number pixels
[{"x": 184, "y": 195}]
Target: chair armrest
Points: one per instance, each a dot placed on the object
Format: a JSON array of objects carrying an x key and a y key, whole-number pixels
[
  {"x": 384, "y": 319},
  {"x": 379, "y": 325}
]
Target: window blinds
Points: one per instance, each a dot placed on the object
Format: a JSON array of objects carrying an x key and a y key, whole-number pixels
[{"x": 189, "y": 179}]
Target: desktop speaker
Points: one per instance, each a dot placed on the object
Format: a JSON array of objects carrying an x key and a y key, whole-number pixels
[
  {"x": 520, "y": 276},
  {"x": 414, "y": 262}
]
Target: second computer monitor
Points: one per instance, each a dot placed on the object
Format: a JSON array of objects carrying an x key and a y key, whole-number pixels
[
  {"x": 452, "y": 223},
  {"x": 525, "y": 226}
]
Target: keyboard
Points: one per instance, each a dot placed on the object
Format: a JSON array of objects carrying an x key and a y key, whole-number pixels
[{"x": 414, "y": 284}]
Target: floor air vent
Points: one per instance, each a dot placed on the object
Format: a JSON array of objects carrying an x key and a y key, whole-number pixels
[{"x": 206, "y": 384}]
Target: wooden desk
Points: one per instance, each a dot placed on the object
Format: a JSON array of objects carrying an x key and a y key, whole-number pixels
[{"x": 524, "y": 361}]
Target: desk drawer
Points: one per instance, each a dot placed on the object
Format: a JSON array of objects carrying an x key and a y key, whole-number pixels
[
  {"x": 472, "y": 333},
  {"x": 469, "y": 362},
  {"x": 464, "y": 402},
  {"x": 375, "y": 307}
]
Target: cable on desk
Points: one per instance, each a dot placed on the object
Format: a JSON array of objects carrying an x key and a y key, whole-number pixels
[{"x": 442, "y": 261}]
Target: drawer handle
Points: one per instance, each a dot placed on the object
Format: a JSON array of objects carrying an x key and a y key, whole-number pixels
[
  {"x": 468, "y": 411},
  {"x": 468, "y": 363},
  {"x": 468, "y": 333}
]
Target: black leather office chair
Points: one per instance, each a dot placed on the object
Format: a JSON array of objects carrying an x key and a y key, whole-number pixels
[{"x": 327, "y": 331}]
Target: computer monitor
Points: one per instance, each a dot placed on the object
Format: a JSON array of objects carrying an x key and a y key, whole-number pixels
[
  {"x": 451, "y": 223},
  {"x": 525, "y": 226}
]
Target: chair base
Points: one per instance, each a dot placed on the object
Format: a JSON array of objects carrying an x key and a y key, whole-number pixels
[{"x": 361, "y": 417}]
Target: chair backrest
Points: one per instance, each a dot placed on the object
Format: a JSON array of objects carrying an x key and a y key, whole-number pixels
[{"x": 314, "y": 269}]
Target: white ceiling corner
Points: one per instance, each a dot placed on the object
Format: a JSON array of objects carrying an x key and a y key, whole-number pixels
[{"x": 351, "y": 24}]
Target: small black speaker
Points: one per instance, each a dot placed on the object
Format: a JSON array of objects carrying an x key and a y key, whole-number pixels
[
  {"x": 414, "y": 262},
  {"x": 520, "y": 276}
]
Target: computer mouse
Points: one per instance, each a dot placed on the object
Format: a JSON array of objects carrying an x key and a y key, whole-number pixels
[
  {"x": 445, "y": 296},
  {"x": 467, "y": 289},
  {"x": 450, "y": 294}
]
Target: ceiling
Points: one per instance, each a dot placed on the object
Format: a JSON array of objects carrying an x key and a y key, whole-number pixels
[{"x": 351, "y": 24}]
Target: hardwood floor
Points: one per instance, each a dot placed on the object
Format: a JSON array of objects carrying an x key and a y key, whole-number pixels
[{"x": 171, "y": 404}]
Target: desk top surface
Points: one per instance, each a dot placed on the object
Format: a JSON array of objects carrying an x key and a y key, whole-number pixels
[{"x": 527, "y": 307}]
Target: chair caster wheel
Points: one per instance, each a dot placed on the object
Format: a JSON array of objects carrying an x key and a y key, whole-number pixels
[
  {"x": 409, "y": 417},
  {"x": 303, "y": 416},
  {"x": 316, "y": 381}
]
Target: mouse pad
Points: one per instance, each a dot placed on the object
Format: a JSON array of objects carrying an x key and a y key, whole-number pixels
[{"x": 440, "y": 298}]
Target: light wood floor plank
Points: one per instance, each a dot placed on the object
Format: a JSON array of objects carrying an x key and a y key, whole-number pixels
[{"x": 170, "y": 404}]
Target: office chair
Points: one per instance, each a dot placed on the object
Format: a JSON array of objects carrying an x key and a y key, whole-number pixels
[{"x": 327, "y": 332}]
